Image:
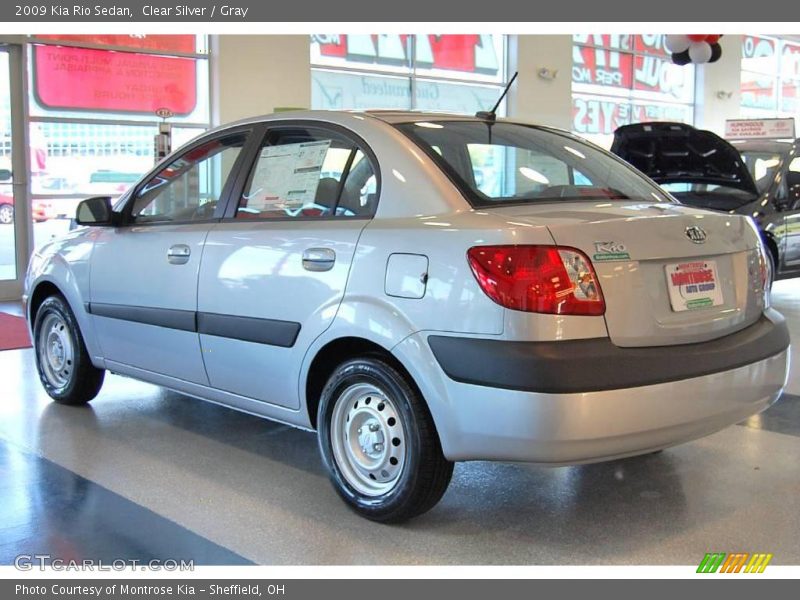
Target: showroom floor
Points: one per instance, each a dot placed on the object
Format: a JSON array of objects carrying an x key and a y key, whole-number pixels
[{"x": 146, "y": 473}]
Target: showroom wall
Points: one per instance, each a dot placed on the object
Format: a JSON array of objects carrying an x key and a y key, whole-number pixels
[
  {"x": 254, "y": 74},
  {"x": 546, "y": 98},
  {"x": 718, "y": 87}
]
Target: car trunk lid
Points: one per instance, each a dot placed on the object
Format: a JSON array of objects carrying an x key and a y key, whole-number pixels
[{"x": 670, "y": 274}]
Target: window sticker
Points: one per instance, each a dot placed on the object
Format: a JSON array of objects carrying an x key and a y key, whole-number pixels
[{"x": 287, "y": 176}]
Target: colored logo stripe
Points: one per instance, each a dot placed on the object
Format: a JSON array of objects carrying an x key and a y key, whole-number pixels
[
  {"x": 711, "y": 562},
  {"x": 758, "y": 563},
  {"x": 734, "y": 562}
]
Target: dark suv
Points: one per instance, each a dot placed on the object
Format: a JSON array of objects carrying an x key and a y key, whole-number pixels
[{"x": 759, "y": 178}]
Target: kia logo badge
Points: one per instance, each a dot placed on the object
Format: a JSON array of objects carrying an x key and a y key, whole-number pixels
[{"x": 696, "y": 234}]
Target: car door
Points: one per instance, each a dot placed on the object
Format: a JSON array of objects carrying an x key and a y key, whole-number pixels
[
  {"x": 143, "y": 291},
  {"x": 275, "y": 269},
  {"x": 792, "y": 216}
]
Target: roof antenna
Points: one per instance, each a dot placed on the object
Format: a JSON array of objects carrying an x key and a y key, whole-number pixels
[{"x": 492, "y": 114}]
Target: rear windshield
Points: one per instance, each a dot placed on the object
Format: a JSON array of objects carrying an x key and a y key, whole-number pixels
[{"x": 507, "y": 163}]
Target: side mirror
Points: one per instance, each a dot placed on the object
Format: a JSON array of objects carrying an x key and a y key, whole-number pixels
[{"x": 95, "y": 211}]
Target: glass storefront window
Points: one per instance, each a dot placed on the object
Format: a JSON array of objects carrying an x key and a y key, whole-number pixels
[
  {"x": 335, "y": 90},
  {"x": 620, "y": 79},
  {"x": 770, "y": 78},
  {"x": 453, "y": 73},
  {"x": 93, "y": 102}
]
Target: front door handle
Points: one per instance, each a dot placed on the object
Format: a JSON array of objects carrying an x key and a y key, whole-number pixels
[
  {"x": 179, "y": 254},
  {"x": 318, "y": 259}
]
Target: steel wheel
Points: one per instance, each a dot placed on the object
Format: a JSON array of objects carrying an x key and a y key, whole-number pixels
[
  {"x": 368, "y": 439},
  {"x": 6, "y": 214},
  {"x": 56, "y": 351}
]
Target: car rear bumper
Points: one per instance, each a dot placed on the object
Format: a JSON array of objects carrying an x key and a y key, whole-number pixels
[
  {"x": 476, "y": 422},
  {"x": 594, "y": 365}
]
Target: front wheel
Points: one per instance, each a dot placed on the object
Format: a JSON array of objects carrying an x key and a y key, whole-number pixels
[
  {"x": 6, "y": 214},
  {"x": 379, "y": 442},
  {"x": 64, "y": 366}
]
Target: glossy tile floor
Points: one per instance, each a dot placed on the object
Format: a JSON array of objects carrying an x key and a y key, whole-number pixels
[{"x": 145, "y": 473}]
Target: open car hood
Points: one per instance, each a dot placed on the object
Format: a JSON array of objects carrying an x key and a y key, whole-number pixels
[{"x": 678, "y": 153}]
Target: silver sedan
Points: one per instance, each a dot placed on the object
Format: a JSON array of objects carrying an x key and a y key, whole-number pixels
[{"x": 420, "y": 289}]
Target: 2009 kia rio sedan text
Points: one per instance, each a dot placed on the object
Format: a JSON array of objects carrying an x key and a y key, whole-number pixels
[{"x": 419, "y": 289}]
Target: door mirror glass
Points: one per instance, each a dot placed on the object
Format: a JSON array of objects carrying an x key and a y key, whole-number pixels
[{"x": 95, "y": 211}]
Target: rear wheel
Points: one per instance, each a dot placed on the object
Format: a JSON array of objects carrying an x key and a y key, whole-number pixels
[
  {"x": 379, "y": 443},
  {"x": 65, "y": 370},
  {"x": 6, "y": 214}
]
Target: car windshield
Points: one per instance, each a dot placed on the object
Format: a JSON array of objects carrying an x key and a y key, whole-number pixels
[
  {"x": 763, "y": 166},
  {"x": 496, "y": 164}
]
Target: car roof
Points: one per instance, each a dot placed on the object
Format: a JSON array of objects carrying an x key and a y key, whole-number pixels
[
  {"x": 341, "y": 116},
  {"x": 410, "y": 116}
]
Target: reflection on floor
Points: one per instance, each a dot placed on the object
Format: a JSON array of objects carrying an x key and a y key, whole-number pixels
[
  {"x": 233, "y": 487},
  {"x": 48, "y": 510}
]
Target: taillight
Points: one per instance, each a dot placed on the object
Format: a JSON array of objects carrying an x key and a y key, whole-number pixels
[{"x": 541, "y": 279}]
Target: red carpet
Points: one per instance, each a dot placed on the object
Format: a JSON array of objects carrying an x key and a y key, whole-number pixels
[{"x": 13, "y": 332}]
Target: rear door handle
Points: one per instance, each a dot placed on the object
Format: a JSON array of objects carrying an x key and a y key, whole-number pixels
[
  {"x": 179, "y": 254},
  {"x": 318, "y": 259}
]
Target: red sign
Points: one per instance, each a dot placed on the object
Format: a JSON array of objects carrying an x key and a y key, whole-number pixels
[
  {"x": 464, "y": 53},
  {"x": 653, "y": 43},
  {"x": 790, "y": 61},
  {"x": 659, "y": 75},
  {"x": 757, "y": 47},
  {"x": 163, "y": 43},
  {"x": 100, "y": 80}
]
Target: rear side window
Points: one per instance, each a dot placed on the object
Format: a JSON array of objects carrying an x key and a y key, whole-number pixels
[
  {"x": 308, "y": 172},
  {"x": 505, "y": 163}
]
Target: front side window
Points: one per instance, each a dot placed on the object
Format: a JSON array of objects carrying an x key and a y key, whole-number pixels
[
  {"x": 189, "y": 188},
  {"x": 503, "y": 163},
  {"x": 309, "y": 172}
]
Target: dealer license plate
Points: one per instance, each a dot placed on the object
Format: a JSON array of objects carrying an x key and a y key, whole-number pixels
[{"x": 693, "y": 285}]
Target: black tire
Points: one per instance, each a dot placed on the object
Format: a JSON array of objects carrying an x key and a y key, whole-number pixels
[
  {"x": 81, "y": 379},
  {"x": 425, "y": 472}
]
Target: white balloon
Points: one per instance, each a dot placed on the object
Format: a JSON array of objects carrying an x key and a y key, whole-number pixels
[
  {"x": 677, "y": 43},
  {"x": 700, "y": 52}
]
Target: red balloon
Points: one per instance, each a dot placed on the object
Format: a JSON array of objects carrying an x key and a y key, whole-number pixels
[
  {"x": 698, "y": 38},
  {"x": 713, "y": 38}
]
